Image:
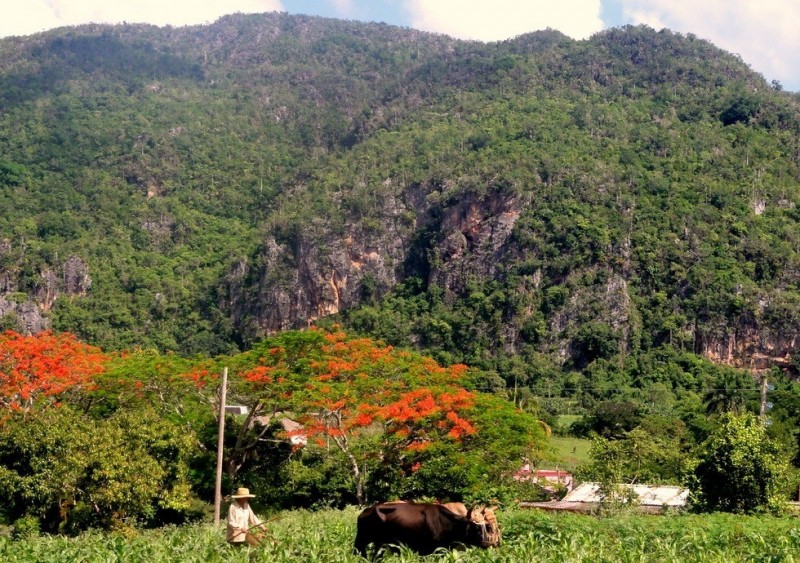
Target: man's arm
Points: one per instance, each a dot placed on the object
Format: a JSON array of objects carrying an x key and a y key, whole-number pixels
[{"x": 252, "y": 519}]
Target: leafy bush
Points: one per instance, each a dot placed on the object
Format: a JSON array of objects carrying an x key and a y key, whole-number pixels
[
  {"x": 740, "y": 469},
  {"x": 610, "y": 419},
  {"x": 25, "y": 528},
  {"x": 73, "y": 473}
]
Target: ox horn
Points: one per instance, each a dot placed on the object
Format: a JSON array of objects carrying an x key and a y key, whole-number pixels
[{"x": 476, "y": 513}]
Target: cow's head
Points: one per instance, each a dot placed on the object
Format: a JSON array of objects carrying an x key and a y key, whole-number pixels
[{"x": 483, "y": 526}]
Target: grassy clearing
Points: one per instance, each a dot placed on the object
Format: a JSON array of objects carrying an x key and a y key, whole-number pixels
[
  {"x": 327, "y": 536},
  {"x": 564, "y": 421},
  {"x": 572, "y": 451}
]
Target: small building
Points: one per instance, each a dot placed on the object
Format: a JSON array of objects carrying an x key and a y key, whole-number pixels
[
  {"x": 295, "y": 432},
  {"x": 293, "y": 429},
  {"x": 549, "y": 479},
  {"x": 588, "y": 498}
]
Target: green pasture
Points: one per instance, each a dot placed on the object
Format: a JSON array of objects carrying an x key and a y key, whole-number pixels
[
  {"x": 571, "y": 451},
  {"x": 564, "y": 421},
  {"x": 528, "y": 536}
]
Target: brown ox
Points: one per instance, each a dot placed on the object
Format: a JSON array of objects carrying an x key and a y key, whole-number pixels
[{"x": 425, "y": 527}]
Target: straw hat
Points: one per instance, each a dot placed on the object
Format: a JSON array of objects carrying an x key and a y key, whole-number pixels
[{"x": 242, "y": 492}]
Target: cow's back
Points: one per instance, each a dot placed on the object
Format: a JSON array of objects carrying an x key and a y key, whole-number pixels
[{"x": 421, "y": 527}]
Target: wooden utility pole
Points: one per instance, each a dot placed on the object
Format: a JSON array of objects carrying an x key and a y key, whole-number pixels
[{"x": 218, "y": 486}]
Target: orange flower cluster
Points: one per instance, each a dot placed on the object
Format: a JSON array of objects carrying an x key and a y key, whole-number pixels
[
  {"x": 362, "y": 419},
  {"x": 335, "y": 406},
  {"x": 418, "y": 446},
  {"x": 421, "y": 403},
  {"x": 429, "y": 364},
  {"x": 200, "y": 378},
  {"x": 415, "y": 410},
  {"x": 460, "y": 400},
  {"x": 461, "y": 427},
  {"x": 259, "y": 374},
  {"x": 334, "y": 337},
  {"x": 335, "y": 368},
  {"x": 378, "y": 354},
  {"x": 411, "y": 406},
  {"x": 44, "y": 365},
  {"x": 457, "y": 371}
]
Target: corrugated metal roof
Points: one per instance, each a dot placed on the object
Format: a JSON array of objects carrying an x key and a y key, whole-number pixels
[
  {"x": 560, "y": 505},
  {"x": 648, "y": 495}
]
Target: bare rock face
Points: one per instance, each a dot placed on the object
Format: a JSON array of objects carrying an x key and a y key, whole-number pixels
[
  {"x": 320, "y": 273},
  {"x": 474, "y": 235},
  {"x": 47, "y": 290},
  {"x": 75, "y": 277},
  {"x": 73, "y": 281},
  {"x": 29, "y": 309},
  {"x": 606, "y": 302},
  {"x": 770, "y": 338},
  {"x": 749, "y": 349},
  {"x": 27, "y": 314},
  {"x": 317, "y": 274}
]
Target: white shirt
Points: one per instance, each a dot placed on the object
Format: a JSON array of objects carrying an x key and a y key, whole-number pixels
[{"x": 239, "y": 520}]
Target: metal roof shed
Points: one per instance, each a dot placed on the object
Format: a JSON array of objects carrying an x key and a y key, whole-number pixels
[{"x": 587, "y": 497}]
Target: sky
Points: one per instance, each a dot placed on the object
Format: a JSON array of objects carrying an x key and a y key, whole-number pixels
[{"x": 764, "y": 33}]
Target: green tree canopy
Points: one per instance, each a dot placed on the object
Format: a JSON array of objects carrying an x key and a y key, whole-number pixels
[{"x": 741, "y": 469}]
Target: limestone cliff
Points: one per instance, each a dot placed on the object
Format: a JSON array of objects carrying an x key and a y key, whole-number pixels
[
  {"x": 321, "y": 272},
  {"x": 769, "y": 338},
  {"x": 25, "y": 307},
  {"x": 451, "y": 242}
]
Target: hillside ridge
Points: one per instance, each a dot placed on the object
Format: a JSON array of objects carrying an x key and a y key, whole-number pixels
[{"x": 535, "y": 200}]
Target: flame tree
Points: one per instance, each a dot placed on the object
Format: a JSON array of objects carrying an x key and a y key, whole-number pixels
[
  {"x": 69, "y": 457},
  {"x": 389, "y": 412},
  {"x": 41, "y": 368}
]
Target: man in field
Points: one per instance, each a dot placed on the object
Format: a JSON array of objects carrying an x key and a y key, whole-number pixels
[{"x": 244, "y": 527}]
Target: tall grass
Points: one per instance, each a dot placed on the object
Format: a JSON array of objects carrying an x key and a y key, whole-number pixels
[{"x": 327, "y": 536}]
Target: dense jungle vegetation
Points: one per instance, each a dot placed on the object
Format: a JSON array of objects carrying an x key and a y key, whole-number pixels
[
  {"x": 162, "y": 156},
  {"x": 600, "y": 228}
]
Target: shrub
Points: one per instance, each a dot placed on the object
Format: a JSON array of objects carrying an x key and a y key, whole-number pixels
[
  {"x": 741, "y": 469},
  {"x": 25, "y": 528},
  {"x": 72, "y": 473}
]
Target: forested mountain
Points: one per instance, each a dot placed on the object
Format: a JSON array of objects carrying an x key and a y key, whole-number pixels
[{"x": 546, "y": 209}]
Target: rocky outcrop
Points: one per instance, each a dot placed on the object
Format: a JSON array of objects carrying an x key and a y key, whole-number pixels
[
  {"x": 758, "y": 342},
  {"x": 27, "y": 310},
  {"x": 607, "y": 302},
  {"x": 72, "y": 279},
  {"x": 75, "y": 276},
  {"x": 474, "y": 233},
  {"x": 751, "y": 348},
  {"x": 293, "y": 283},
  {"x": 26, "y": 316}
]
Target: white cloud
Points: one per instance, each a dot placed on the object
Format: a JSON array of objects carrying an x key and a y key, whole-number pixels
[
  {"x": 492, "y": 20},
  {"x": 763, "y": 32},
  {"x": 345, "y": 8},
  {"x": 22, "y": 17}
]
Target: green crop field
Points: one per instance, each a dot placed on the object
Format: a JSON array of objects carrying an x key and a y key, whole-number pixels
[{"x": 527, "y": 536}]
